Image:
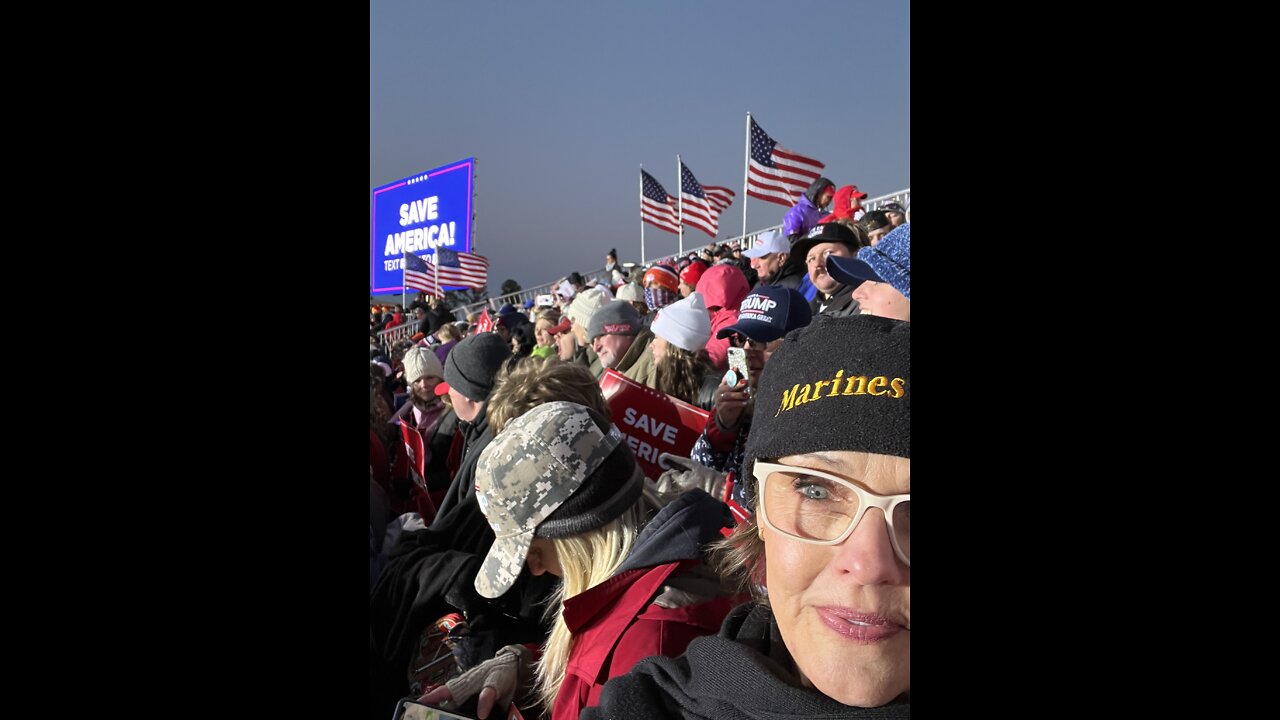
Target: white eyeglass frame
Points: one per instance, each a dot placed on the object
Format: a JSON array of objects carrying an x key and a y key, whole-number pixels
[{"x": 866, "y": 499}]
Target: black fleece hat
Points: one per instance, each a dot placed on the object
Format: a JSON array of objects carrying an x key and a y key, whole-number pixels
[
  {"x": 472, "y": 364},
  {"x": 842, "y": 383}
]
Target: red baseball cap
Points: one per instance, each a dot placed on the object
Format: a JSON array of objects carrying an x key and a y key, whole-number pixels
[
  {"x": 856, "y": 192},
  {"x": 564, "y": 325}
]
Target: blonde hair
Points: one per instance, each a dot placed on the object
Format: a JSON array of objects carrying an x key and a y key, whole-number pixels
[
  {"x": 447, "y": 332},
  {"x": 586, "y": 560},
  {"x": 521, "y": 387}
]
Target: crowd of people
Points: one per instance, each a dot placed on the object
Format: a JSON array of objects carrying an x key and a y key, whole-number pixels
[{"x": 749, "y": 578}]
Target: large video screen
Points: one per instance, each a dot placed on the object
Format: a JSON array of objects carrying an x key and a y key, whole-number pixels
[{"x": 419, "y": 213}]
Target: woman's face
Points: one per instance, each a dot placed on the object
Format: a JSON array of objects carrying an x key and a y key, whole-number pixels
[
  {"x": 882, "y": 299},
  {"x": 543, "y": 558},
  {"x": 540, "y": 333},
  {"x": 658, "y": 347},
  {"x": 844, "y": 610}
]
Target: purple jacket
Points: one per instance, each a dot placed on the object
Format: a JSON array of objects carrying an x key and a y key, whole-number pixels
[
  {"x": 800, "y": 218},
  {"x": 805, "y": 214},
  {"x": 442, "y": 351}
]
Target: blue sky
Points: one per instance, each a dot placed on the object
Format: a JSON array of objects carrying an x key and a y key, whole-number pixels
[{"x": 562, "y": 101}]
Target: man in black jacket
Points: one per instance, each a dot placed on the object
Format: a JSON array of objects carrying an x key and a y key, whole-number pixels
[
  {"x": 833, "y": 297},
  {"x": 771, "y": 258},
  {"x": 430, "y": 572}
]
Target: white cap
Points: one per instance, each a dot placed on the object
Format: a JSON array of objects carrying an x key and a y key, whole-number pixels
[
  {"x": 631, "y": 292},
  {"x": 684, "y": 324},
  {"x": 767, "y": 243}
]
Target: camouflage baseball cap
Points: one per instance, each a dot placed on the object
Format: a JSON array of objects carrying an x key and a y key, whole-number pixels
[{"x": 529, "y": 470}]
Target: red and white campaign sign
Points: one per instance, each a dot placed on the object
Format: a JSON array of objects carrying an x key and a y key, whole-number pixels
[
  {"x": 413, "y": 445},
  {"x": 651, "y": 422}
]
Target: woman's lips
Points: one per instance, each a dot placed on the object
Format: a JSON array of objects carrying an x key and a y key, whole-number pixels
[{"x": 858, "y": 626}]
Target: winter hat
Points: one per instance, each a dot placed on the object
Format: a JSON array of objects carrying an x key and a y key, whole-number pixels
[
  {"x": 684, "y": 324},
  {"x": 631, "y": 292},
  {"x": 538, "y": 478},
  {"x": 691, "y": 274},
  {"x": 888, "y": 261},
  {"x": 615, "y": 318},
  {"x": 665, "y": 287},
  {"x": 842, "y": 383},
  {"x": 472, "y": 364},
  {"x": 507, "y": 309},
  {"x": 768, "y": 313},
  {"x": 584, "y": 306},
  {"x": 420, "y": 362},
  {"x": 664, "y": 276}
]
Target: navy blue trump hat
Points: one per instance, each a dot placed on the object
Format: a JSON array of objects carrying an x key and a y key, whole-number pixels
[
  {"x": 888, "y": 261},
  {"x": 768, "y": 313}
]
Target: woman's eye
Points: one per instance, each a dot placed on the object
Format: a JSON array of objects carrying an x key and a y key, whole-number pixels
[{"x": 812, "y": 491}]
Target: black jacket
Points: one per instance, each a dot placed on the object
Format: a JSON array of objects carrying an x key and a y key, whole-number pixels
[
  {"x": 741, "y": 674},
  {"x": 790, "y": 275},
  {"x": 432, "y": 572},
  {"x": 841, "y": 304}
]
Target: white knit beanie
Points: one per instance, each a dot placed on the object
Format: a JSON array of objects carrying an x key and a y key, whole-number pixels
[
  {"x": 584, "y": 306},
  {"x": 684, "y": 324},
  {"x": 419, "y": 362},
  {"x": 631, "y": 292}
]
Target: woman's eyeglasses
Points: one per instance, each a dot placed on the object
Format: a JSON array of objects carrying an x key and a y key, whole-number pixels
[{"x": 823, "y": 509}]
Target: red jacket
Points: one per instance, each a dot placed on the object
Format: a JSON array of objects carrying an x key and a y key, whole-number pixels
[
  {"x": 616, "y": 624},
  {"x": 723, "y": 287}
]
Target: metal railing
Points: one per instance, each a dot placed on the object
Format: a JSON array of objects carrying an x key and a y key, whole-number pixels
[
  {"x": 403, "y": 331},
  {"x": 902, "y": 196},
  {"x": 744, "y": 241}
]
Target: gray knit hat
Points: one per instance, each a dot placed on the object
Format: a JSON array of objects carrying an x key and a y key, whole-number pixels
[
  {"x": 615, "y": 318},
  {"x": 420, "y": 361},
  {"x": 472, "y": 364},
  {"x": 539, "y": 478}
]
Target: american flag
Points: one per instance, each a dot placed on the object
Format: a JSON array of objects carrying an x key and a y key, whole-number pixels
[
  {"x": 775, "y": 173},
  {"x": 702, "y": 205},
  {"x": 464, "y": 269},
  {"x": 419, "y": 274},
  {"x": 657, "y": 207}
]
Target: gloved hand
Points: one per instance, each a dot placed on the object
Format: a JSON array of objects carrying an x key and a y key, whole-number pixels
[
  {"x": 497, "y": 680},
  {"x": 686, "y": 473}
]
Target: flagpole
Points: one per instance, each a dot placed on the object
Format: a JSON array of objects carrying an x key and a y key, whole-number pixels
[
  {"x": 404, "y": 289},
  {"x": 746, "y": 169},
  {"x": 680, "y": 198},
  {"x": 641, "y": 214},
  {"x": 436, "y": 264}
]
